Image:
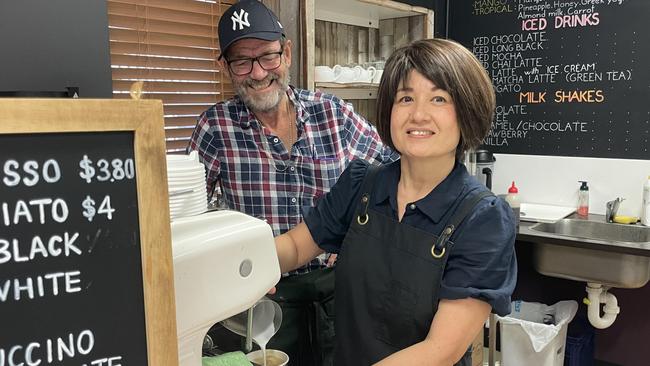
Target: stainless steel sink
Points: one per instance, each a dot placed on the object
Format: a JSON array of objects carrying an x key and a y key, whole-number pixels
[
  {"x": 610, "y": 268},
  {"x": 596, "y": 230}
]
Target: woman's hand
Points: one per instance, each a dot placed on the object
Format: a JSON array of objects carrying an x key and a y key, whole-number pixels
[{"x": 331, "y": 260}]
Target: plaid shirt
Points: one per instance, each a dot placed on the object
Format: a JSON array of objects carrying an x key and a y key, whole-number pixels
[{"x": 256, "y": 173}]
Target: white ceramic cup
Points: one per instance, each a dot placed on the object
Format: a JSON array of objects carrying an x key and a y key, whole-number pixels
[
  {"x": 377, "y": 77},
  {"x": 273, "y": 357},
  {"x": 345, "y": 74},
  {"x": 324, "y": 74},
  {"x": 367, "y": 75}
]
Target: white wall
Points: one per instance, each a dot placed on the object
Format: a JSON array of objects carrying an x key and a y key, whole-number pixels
[{"x": 554, "y": 180}]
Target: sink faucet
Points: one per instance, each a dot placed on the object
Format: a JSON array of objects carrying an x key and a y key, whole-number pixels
[{"x": 612, "y": 209}]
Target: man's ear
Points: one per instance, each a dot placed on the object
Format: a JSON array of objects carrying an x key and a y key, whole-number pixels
[
  {"x": 286, "y": 52},
  {"x": 223, "y": 66}
]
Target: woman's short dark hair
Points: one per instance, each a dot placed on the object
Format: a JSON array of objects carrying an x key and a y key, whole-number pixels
[{"x": 451, "y": 67}]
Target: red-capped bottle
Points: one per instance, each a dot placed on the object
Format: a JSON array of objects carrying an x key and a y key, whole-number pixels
[{"x": 513, "y": 200}]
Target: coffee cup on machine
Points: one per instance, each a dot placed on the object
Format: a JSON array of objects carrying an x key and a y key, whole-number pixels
[{"x": 273, "y": 357}]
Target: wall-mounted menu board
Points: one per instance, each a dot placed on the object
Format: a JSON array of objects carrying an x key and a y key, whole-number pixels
[
  {"x": 85, "y": 247},
  {"x": 572, "y": 76}
]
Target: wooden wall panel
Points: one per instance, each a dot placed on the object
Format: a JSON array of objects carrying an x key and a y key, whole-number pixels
[
  {"x": 398, "y": 32},
  {"x": 365, "y": 107},
  {"x": 344, "y": 34},
  {"x": 289, "y": 12},
  {"x": 373, "y": 44},
  {"x": 416, "y": 28},
  {"x": 401, "y": 32},
  {"x": 362, "y": 45},
  {"x": 342, "y": 44},
  {"x": 319, "y": 43},
  {"x": 386, "y": 38},
  {"x": 274, "y": 5}
]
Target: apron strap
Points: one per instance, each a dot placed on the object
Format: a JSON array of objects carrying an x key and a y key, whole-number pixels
[
  {"x": 366, "y": 189},
  {"x": 438, "y": 248}
]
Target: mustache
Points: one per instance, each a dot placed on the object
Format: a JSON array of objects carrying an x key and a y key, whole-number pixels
[{"x": 258, "y": 83}]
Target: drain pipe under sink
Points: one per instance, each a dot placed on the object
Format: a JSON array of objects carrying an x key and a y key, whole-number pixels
[{"x": 596, "y": 295}]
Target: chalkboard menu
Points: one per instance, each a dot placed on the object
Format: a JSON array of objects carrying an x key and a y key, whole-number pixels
[
  {"x": 571, "y": 76},
  {"x": 72, "y": 243}
]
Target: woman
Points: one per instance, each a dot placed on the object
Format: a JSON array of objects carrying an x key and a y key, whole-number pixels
[{"x": 425, "y": 251}]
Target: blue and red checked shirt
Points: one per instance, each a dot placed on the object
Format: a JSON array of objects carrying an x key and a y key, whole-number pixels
[{"x": 256, "y": 173}]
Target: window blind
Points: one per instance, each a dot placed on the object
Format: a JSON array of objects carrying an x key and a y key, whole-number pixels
[{"x": 172, "y": 46}]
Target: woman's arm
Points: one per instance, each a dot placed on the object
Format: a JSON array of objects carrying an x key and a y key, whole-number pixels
[
  {"x": 296, "y": 248},
  {"x": 454, "y": 327}
]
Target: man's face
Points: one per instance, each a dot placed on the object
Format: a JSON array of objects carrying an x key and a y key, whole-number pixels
[{"x": 261, "y": 90}]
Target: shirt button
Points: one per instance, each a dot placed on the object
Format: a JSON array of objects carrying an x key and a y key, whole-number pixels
[
  {"x": 292, "y": 168},
  {"x": 412, "y": 206},
  {"x": 293, "y": 200},
  {"x": 276, "y": 140}
]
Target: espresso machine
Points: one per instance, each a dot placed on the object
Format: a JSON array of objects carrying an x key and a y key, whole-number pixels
[{"x": 224, "y": 262}]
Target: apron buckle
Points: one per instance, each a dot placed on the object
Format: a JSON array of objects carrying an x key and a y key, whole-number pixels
[
  {"x": 364, "y": 220},
  {"x": 433, "y": 252},
  {"x": 440, "y": 244}
]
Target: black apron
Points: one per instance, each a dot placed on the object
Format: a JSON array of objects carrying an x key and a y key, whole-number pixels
[{"x": 388, "y": 278}]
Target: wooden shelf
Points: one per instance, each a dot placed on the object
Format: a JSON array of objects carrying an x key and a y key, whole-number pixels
[
  {"x": 364, "y": 13},
  {"x": 350, "y": 91},
  {"x": 320, "y": 84}
]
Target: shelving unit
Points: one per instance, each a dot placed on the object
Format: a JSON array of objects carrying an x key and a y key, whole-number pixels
[
  {"x": 350, "y": 91},
  {"x": 348, "y": 32}
]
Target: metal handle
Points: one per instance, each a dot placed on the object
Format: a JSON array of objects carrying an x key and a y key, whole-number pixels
[
  {"x": 492, "y": 340},
  {"x": 249, "y": 331}
]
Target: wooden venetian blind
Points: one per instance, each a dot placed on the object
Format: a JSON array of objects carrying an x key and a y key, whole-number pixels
[{"x": 172, "y": 46}]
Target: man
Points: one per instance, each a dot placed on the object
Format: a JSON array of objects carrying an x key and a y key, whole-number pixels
[{"x": 272, "y": 151}]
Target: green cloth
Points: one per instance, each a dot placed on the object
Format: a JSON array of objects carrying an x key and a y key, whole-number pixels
[{"x": 227, "y": 359}]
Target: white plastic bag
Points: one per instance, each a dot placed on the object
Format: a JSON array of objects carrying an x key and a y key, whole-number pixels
[
  {"x": 534, "y": 334},
  {"x": 541, "y": 322}
]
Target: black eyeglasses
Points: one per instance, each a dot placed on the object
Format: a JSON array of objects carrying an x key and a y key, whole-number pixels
[{"x": 267, "y": 61}]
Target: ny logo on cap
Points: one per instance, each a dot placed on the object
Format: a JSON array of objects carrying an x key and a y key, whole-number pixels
[{"x": 237, "y": 18}]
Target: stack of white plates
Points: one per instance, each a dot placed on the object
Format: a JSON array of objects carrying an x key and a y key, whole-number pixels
[{"x": 187, "y": 187}]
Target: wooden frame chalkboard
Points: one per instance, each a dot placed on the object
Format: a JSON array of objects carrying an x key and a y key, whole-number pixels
[{"x": 86, "y": 271}]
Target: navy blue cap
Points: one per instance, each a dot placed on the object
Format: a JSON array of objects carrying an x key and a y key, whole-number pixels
[{"x": 248, "y": 19}]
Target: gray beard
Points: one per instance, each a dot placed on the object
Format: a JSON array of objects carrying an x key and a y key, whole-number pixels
[{"x": 268, "y": 102}]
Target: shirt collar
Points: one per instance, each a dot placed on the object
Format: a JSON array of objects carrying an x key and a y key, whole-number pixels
[
  {"x": 434, "y": 205},
  {"x": 301, "y": 111},
  {"x": 243, "y": 115},
  {"x": 388, "y": 191}
]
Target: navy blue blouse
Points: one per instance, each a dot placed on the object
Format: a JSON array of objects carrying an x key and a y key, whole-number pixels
[{"x": 482, "y": 263}]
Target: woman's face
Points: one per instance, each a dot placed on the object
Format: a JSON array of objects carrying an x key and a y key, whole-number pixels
[{"x": 423, "y": 123}]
